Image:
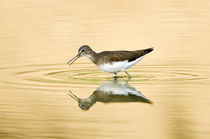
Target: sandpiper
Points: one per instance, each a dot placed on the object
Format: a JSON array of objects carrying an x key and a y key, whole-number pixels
[
  {"x": 112, "y": 61},
  {"x": 111, "y": 92}
]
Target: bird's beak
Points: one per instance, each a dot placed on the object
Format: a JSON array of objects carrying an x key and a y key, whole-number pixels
[
  {"x": 74, "y": 59},
  {"x": 73, "y": 96}
]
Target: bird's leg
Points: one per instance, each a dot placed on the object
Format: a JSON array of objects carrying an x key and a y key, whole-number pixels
[
  {"x": 115, "y": 76},
  {"x": 129, "y": 76}
]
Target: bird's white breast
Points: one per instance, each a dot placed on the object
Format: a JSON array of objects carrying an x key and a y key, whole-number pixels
[{"x": 119, "y": 66}]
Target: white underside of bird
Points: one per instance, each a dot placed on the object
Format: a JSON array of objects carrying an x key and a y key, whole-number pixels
[
  {"x": 120, "y": 89},
  {"x": 119, "y": 66}
]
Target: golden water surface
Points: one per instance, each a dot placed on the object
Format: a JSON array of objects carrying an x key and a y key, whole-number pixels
[{"x": 38, "y": 37}]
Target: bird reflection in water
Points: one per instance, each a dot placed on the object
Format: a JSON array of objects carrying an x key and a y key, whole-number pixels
[{"x": 111, "y": 92}]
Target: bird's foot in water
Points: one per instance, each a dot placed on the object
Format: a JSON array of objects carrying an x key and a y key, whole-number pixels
[{"x": 115, "y": 76}]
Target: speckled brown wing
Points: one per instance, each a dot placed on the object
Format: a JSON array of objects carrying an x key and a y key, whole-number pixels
[
  {"x": 115, "y": 56},
  {"x": 121, "y": 55},
  {"x": 105, "y": 97}
]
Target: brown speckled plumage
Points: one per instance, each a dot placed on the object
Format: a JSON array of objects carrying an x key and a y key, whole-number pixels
[
  {"x": 125, "y": 58},
  {"x": 115, "y": 56}
]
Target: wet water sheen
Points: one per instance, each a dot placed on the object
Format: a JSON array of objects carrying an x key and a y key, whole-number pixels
[{"x": 42, "y": 97}]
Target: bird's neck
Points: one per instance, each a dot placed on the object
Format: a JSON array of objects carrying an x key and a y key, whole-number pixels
[{"x": 93, "y": 56}]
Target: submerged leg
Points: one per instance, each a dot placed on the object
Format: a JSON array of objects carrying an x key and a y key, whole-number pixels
[
  {"x": 129, "y": 76},
  {"x": 115, "y": 76}
]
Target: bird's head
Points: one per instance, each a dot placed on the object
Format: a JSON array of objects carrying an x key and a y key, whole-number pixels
[{"x": 84, "y": 50}]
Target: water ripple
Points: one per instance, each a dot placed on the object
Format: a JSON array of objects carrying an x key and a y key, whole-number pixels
[{"x": 61, "y": 75}]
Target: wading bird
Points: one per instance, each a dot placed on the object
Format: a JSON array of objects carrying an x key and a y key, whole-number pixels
[{"x": 112, "y": 61}]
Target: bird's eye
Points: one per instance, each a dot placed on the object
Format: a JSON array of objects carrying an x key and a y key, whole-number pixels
[{"x": 83, "y": 50}]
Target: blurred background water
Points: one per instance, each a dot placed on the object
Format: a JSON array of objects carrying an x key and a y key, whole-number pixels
[{"x": 39, "y": 37}]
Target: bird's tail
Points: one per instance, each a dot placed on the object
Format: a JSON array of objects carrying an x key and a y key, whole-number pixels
[
  {"x": 145, "y": 51},
  {"x": 148, "y": 50}
]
